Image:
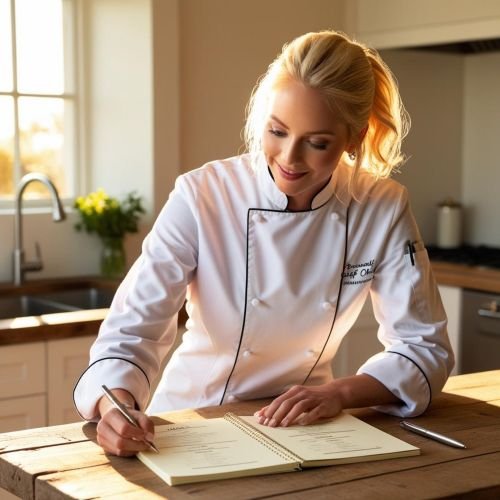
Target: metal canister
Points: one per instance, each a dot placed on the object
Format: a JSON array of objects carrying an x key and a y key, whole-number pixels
[{"x": 449, "y": 224}]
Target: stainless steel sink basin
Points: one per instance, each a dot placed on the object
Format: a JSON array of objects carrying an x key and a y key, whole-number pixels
[
  {"x": 25, "y": 305},
  {"x": 82, "y": 298},
  {"x": 66, "y": 300}
]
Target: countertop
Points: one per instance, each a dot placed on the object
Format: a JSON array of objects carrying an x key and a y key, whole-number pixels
[
  {"x": 65, "y": 462},
  {"x": 485, "y": 279},
  {"x": 57, "y": 325},
  {"x": 87, "y": 322}
]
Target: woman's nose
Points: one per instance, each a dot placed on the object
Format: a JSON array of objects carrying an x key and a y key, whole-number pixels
[{"x": 291, "y": 152}]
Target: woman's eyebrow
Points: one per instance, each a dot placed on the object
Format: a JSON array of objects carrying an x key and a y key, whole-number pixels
[{"x": 313, "y": 132}]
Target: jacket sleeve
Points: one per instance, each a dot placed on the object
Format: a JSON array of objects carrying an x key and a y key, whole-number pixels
[
  {"x": 417, "y": 358},
  {"x": 141, "y": 325}
]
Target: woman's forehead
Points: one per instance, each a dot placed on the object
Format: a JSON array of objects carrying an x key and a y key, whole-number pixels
[{"x": 297, "y": 105}]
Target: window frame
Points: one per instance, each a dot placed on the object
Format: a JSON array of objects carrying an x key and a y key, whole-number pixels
[{"x": 72, "y": 44}]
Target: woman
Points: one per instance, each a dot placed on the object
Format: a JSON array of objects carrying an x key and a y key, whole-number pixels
[{"x": 276, "y": 251}]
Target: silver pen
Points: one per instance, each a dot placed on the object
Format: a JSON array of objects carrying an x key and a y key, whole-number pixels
[
  {"x": 431, "y": 434},
  {"x": 123, "y": 410}
]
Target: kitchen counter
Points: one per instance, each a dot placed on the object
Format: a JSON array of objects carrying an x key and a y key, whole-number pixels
[
  {"x": 485, "y": 279},
  {"x": 56, "y": 325}
]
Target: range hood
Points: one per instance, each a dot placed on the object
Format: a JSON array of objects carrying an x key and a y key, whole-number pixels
[{"x": 465, "y": 47}]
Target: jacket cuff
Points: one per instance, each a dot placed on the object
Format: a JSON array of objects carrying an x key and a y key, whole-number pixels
[
  {"x": 115, "y": 373},
  {"x": 404, "y": 378}
]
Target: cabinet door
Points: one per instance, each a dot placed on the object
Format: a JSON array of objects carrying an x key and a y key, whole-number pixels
[
  {"x": 67, "y": 359},
  {"x": 22, "y": 370},
  {"x": 22, "y": 413}
]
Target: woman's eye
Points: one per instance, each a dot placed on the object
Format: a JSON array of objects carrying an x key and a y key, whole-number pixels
[
  {"x": 318, "y": 145},
  {"x": 277, "y": 133}
]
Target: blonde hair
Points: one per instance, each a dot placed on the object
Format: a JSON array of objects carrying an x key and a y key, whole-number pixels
[{"x": 355, "y": 82}]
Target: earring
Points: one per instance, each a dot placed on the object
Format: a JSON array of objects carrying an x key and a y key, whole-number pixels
[{"x": 352, "y": 155}]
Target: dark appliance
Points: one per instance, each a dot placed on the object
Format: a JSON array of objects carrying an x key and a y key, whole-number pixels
[{"x": 480, "y": 336}]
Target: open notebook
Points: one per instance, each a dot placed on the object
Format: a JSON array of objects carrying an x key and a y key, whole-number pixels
[{"x": 232, "y": 446}]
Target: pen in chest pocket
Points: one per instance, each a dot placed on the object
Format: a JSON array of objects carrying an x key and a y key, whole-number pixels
[{"x": 410, "y": 249}]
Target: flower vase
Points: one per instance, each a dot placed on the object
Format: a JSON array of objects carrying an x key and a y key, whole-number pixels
[{"x": 112, "y": 258}]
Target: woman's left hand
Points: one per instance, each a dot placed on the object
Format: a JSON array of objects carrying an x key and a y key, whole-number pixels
[{"x": 302, "y": 405}]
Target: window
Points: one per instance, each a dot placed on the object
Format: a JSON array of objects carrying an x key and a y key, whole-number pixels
[{"x": 37, "y": 95}]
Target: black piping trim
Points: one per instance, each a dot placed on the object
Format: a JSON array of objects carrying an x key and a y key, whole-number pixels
[
  {"x": 244, "y": 316},
  {"x": 97, "y": 361},
  {"x": 338, "y": 296},
  {"x": 423, "y": 373},
  {"x": 246, "y": 282}
]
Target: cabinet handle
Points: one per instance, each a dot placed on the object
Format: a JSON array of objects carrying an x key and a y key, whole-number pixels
[{"x": 487, "y": 313}]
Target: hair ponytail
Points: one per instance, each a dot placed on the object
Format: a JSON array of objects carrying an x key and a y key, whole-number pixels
[{"x": 388, "y": 122}]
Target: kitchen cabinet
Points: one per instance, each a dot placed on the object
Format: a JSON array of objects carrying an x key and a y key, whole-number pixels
[
  {"x": 66, "y": 361},
  {"x": 37, "y": 380},
  {"x": 23, "y": 386},
  {"x": 396, "y": 23}
]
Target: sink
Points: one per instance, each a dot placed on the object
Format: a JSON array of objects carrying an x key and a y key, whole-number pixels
[
  {"x": 36, "y": 303},
  {"x": 82, "y": 298},
  {"x": 26, "y": 305}
]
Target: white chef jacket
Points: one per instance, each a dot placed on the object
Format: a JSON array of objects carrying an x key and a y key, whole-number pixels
[{"x": 270, "y": 294}]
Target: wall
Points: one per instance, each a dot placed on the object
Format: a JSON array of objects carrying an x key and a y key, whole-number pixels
[
  {"x": 455, "y": 110},
  {"x": 431, "y": 87},
  {"x": 481, "y": 161},
  {"x": 225, "y": 47},
  {"x": 119, "y": 99}
]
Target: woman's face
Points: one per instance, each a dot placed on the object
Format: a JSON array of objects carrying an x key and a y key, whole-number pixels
[{"x": 303, "y": 142}]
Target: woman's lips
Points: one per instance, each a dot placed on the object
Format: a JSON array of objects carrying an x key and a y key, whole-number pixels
[{"x": 290, "y": 175}]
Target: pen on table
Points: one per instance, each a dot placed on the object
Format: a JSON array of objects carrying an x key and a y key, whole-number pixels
[
  {"x": 431, "y": 434},
  {"x": 123, "y": 410}
]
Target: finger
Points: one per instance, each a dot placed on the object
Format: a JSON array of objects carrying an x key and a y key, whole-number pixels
[
  {"x": 287, "y": 415},
  {"x": 313, "y": 415},
  {"x": 122, "y": 426},
  {"x": 146, "y": 424},
  {"x": 271, "y": 409},
  {"x": 293, "y": 405},
  {"x": 260, "y": 414},
  {"x": 114, "y": 443}
]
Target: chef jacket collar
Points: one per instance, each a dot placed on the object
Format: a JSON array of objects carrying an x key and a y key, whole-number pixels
[{"x": 338, "y": 186}]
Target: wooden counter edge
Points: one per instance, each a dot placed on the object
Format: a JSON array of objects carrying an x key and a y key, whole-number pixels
[{"x": 462, "y": 276}]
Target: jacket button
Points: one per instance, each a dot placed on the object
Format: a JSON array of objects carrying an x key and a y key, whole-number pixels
[
  {"x": 327, "y": 306},
  {"x": 258, "y": 218},
  {"x": 231, "y": 398},
  {"x": 247, "y": 353},
  {"x": 311, "y": 352},
  {"x": 334, "y": 216},
  {"x": 255, "y": 302}
]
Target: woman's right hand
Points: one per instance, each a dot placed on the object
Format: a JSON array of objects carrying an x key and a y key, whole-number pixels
[{"x": 115, "y": 434}]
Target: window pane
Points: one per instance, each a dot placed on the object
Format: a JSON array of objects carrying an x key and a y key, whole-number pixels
[
  {"x": 5, "y": 47},
  {"x": 6, "y": 146},
  {"x": 39, "y": 34},
  {"x": 41, "y": 136}
]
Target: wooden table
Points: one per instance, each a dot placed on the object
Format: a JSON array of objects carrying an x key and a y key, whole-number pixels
[{"x": 65, "y": 461}]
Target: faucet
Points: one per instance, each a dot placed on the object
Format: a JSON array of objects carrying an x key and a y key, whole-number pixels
[{"x": 20, "y": 265}]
